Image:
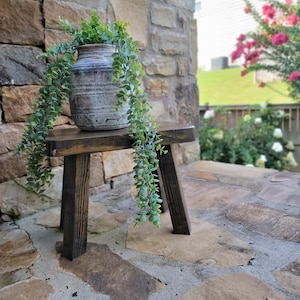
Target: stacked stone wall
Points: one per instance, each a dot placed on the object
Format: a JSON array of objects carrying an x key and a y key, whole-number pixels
[{"x": 166, "y": 35}]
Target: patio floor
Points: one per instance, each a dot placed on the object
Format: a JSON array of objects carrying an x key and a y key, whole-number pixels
[{"x": 245, "y": 244}]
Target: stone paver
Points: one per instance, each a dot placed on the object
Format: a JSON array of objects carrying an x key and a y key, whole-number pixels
[
  {"x": 100, "y": 219},
  {"x": 289, "y": 277},
  {"x": 266, "y": 221},
  {"x": 245, "y": 244},
  {"x": 208, "y": 245},
  {"x": 27, "y": 290},
  {"x": 233, "y": 287},
  {"x": 280, "y": 194},
  {"x": 230, "y": 170},
  {"x": 109, "y": 274},
  {"x": 16, "y": 249},
  {"x": 212, "y": 195}
]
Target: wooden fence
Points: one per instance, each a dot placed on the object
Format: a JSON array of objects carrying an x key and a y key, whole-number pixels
[{"x": 290, "y": 126}]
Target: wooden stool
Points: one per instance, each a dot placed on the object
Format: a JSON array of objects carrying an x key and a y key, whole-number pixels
[{"x": 76, "y": 146}]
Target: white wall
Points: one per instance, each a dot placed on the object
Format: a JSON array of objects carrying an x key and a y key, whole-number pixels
[{"x": 219, "y": 23}]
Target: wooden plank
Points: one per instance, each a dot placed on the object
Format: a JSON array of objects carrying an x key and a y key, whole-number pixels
[
  {"x": 75, "y": 200},
  {"x": 70, "y": 141},
  {"x": 173, "y": 192},
  {"x": 162, "y": 192}
]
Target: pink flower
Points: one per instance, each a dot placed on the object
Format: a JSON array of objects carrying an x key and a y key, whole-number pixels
[
  {"x": 294, "y": 75},
  {"x": 250, "y": 44},
  {"x": 289, "y": 2},
  {"x": 243, "y": 73},
  {"x": 268, "y": 11},
  {"x": 247, "y": 10},
  {"x": 238, "y": 52},
  {"x": 261, "y": 84},
  {"x": 279, "y": 39},
  {"x": 293, "y": 19},
  {"x": 234, "y": 56},
  {"x": 252, "y": 57},
  {"x": 241, "y": 37}
]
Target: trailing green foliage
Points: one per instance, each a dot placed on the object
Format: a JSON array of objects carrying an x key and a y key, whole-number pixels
[
  {"x": 56, "y": 87},
  {"x": 256, "y": 140}
]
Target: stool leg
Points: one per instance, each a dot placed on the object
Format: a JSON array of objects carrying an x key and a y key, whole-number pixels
[
  {"x": 164, "y": 205},
  {"x": 173, "y": 192},
  {"x": 75, "y": 199},
  {"x": 63, "y": 196}
]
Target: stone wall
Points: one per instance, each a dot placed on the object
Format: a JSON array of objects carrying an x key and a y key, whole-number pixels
[{"x": 166, "y": 33}]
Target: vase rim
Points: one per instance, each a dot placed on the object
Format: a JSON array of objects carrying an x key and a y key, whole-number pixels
[{"x": 97, "y": 45}]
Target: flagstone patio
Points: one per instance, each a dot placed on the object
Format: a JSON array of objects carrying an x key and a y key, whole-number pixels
[{"x": 245, "y": 244}]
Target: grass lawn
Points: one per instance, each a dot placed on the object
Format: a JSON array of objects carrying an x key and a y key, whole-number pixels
[{"x": 229, "y": 87}]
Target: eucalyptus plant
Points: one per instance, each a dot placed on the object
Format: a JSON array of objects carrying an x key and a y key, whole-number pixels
[{"x": 55, "y": 90}]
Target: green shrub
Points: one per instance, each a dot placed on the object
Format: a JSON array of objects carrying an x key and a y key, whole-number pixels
[{"x": 256, "y": 139}]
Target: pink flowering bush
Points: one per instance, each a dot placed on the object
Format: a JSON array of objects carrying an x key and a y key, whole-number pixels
[{"x": 275, "y": 45}]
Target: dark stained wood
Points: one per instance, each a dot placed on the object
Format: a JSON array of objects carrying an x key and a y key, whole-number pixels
[
  {"x": 75, "y": 199},
  {"x": 173, "y": 192},
  {"x": 76, "y": 146},
  {"x": 162, "y": 193},
  {"x": 70, "y": 141}
]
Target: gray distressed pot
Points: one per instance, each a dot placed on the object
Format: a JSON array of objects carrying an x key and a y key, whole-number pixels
[{"x": 93, "y": 98}]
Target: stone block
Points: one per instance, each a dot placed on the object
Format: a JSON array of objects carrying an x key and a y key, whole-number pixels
[
  {"x": 10, "y": 136},
  {"x": 101, "y": 6},
  {"x": 21, "y": 22},
  {"x": 193, "y": 67},
  {"x": 159, "y": 112},
  {"x": 17, "y": 102},
  {"x": 19, "y": 65},
  {"x": 61, "y": 120},
  {"x": 11, "y": 166},
  {"x": 96, "y": 170},
  {"x": 16, "y": 202},
  {"x": 114, "y": 191},
  {"x": 183, "y": 66},
  {"x": 157, "y": 87},
  {"x": 52, "y": 192},
  {"x": 16, "y": 251},
  {"x": 187, "y": 99},
  {"x": 155, "y": 41},
  {"x": 116, "y": 163},
  {"x": 66, "y": 110},
  {"x": 173, "y": 44},
  {"x": 67, "y": 11},
  {"x": 164, "y": 66},
  {"x": 53, "y": 37},
  {"x": 183, "y": 21},
  {"x": 135, "y": 14},
  {"x": 187, "y": 4},
  {"x": 163, "y": 16},
  {"x": 56, "y": 161},
  {"x": 190, "y": 151}
]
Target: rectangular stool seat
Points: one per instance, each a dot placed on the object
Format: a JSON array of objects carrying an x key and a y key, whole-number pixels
[{"x": 76, "y": 146}]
